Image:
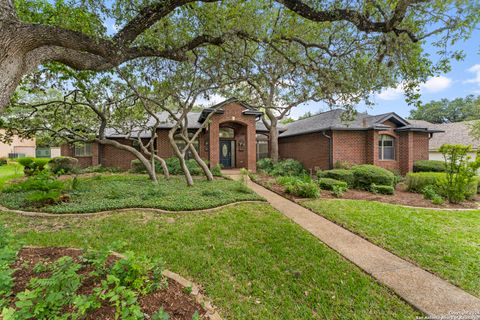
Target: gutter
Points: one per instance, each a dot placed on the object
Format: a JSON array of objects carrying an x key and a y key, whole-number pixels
[{"x": 330, "y": 149}]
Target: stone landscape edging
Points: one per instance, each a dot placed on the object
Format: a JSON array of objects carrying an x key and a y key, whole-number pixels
[{"x": 108, "y": 212}]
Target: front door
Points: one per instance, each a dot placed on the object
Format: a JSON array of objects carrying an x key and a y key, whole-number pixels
[{"x": 226, "y": 153}]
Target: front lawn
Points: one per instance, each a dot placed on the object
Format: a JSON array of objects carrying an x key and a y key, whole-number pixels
[
  {"x": 253, "y": 262},
  {"x": 107, "y": 192},
  {"x": 444, "y": 242},
  {"x": 10, "y": 171}
]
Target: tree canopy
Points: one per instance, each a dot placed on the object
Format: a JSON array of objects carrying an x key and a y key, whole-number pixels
[
  {"x": 446, "y": 111},
  {"x": 100, "y": 35}
]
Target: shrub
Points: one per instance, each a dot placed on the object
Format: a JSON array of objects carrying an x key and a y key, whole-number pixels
[
  {"x": 366, "y": 175},
  {"x": 429, "y": 166},
  {"x": 41, "y": 182},
  {"x": 290, "y": 179},
  {"x": 288, "y": 167},
  {"x": 338, "y": 190},
  {"x": 460, "y": 172},
  {"x": 382, "y": 189},
  {"x": 329, "y": 184},
  {"x": 32, "y": 166},
  {"x": 265, "y": 165},
  {"x": 429, "y": 192},
  {"x": 417, "y": 181},
  {"x": 303, "y": 189},
  {"x": 338, "y": 174},
  {"x": 42, "y": 198},
  {"x": 342, "y": 165},
  {"x": 3, "y": 161},
  {"x": 217, "y": 170},
  {"x": 63, "y": 165},
  {"x": 173, "y": 165}
]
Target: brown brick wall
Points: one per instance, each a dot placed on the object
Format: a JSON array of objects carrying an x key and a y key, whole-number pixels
[
  {"x": 69, "y": 151},
  {"x": 420, "y": 142},
  {"x": 245, "y": 133},
  {"x": 350, "y": 146},
  {"x": 312, "y": 150}
]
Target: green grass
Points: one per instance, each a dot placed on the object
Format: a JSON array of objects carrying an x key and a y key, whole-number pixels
[
  {"x": 10, "y": 171},
  {"x": 107, "y": 192},
  {"x": 253, "y": 262},
  {"x": 444, "y": 242}
]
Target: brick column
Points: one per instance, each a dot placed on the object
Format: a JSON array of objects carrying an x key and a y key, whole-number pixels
[
  {"x": 372, "y": 148},
  {"x": 406, "y": 152},
  {"x": 213, "y": 143},
  {"x": 251, "y": 147}
]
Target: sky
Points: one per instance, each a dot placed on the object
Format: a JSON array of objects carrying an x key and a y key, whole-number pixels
[{"x": 462, "y": 80}]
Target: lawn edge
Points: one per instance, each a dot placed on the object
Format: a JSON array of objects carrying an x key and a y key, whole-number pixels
[{"x": 113, "y": 211}]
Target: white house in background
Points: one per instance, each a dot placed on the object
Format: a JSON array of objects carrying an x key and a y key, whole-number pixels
[
  {"x": 20, "y": 147},
  {"x": 454, "y": 133}
]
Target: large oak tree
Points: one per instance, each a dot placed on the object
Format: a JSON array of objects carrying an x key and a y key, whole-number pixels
[{"x": 33, "y": 33}]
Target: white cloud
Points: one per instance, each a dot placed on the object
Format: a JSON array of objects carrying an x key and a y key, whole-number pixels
[
  {"x": 432, "y": 85},
  {"x": 436, "y": 84},
  {"x": 474, "y": 69},
  {"x": 391, "y": 93}
]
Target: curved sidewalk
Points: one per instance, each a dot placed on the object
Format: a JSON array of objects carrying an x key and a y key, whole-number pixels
[{"x": 427, "y": 292}]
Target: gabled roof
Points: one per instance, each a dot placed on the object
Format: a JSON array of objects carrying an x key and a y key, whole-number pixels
[
  {"x": 218, "y": 108},
  {"x": 334, "y": 120},
  {"x": 451, "y": 133}
]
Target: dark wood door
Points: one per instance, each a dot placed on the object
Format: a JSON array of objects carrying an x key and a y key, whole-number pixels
[{"x": 226, "y": 153}]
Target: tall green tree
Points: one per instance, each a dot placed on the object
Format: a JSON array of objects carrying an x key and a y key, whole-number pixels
[
  {"x": 74, "y": 33},
  {"x": 446, "y": 111}
]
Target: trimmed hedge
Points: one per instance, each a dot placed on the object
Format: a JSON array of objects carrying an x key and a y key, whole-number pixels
[
  {"x": 367, "y": 174},
  {"x": 382, "y": 189},
  {"x": 65, "y": 165},
  {"x": 329, "y": 183},
  {"x": 338, "y": 174},
  {"x": 417, "y": 181},
  {"x": 429, "y": 166},
  {"x": 33, "y": 166}
]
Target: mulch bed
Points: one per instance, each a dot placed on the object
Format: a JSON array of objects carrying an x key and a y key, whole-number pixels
[
  {"x": 173, "y": 299},
  {"x": 401, "y": 197}
]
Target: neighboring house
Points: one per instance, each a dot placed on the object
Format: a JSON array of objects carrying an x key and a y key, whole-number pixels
[
  {"x": 17, "y": 148},
  {"x": 235, "y": 137},
  {"x": 452, "y": 133}
]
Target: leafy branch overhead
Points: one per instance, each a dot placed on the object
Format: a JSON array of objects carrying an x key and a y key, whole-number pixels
[{"x": 33, "y": 33}]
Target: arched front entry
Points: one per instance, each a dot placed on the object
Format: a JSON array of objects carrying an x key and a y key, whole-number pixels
[
  {"x": 232, "y": 142},
  {"x": 232, "y": 137}
]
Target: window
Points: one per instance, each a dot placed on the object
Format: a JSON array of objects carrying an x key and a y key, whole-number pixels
[
  {"x": 83, "y": 150},
  {"x": 262, "y": 146},
  {"x": 386, "y": 147},
  {"x": 227, "y": 133},
  {"x": 182, "y": 144}
]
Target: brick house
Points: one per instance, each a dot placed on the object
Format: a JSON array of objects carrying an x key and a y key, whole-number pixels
[
  {"x": 385, "y": 140},
  {"x": 235, "y": 137}
]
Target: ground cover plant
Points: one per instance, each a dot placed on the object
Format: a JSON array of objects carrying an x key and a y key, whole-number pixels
[
  {"x": 444, "y": 242},
  {"x": 115, "y": 191},
  {"x": 252, "y": 262},
  {"x": 63, "y": 283}
]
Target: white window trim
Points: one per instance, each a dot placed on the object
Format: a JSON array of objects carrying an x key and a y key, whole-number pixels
[{"x": 381, "y": 147}]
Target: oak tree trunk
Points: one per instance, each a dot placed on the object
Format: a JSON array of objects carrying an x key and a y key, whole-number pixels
[{"x": 201, "y": 163}]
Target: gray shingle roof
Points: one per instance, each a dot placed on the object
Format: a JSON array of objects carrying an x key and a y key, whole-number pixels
[
  {"x": 454, "y": 133},
  {"x": 333, "y": 120}
]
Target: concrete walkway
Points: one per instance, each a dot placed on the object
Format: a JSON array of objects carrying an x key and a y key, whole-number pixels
[{"x": 427, "y": 292}]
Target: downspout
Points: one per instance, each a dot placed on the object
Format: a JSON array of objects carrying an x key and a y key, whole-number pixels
[{"x": 330, "y": 150}]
